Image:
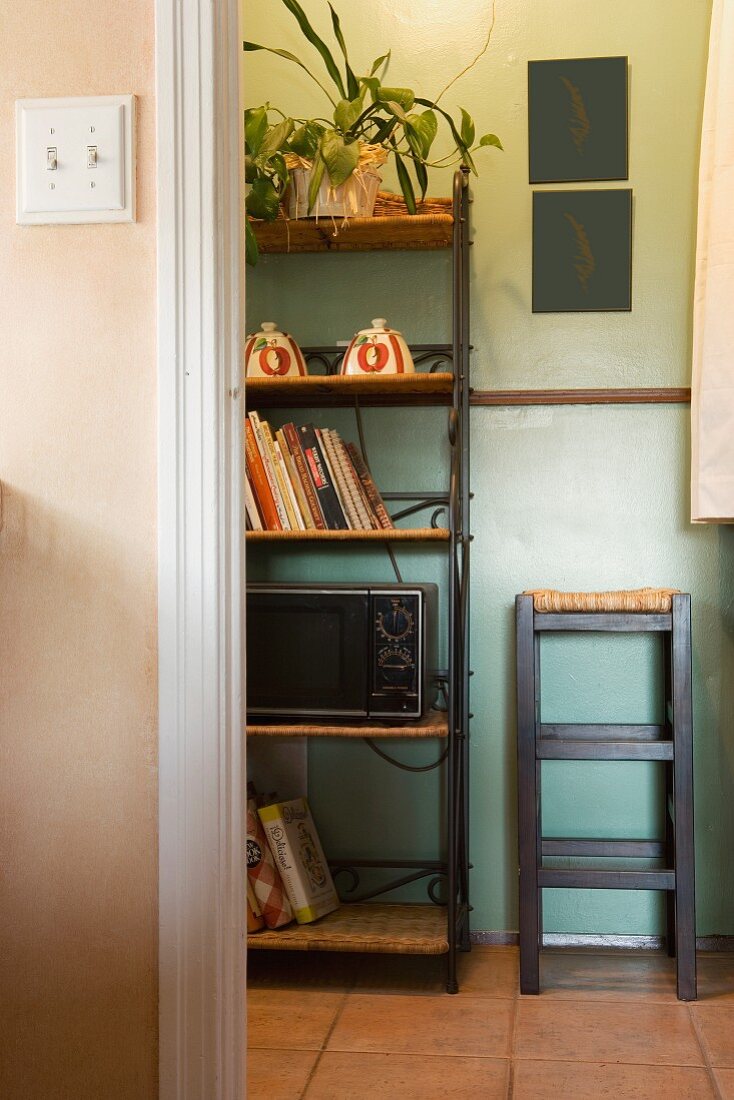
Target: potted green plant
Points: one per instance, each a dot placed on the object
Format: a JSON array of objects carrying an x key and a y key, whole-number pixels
[{"x": 331, "y": 165}]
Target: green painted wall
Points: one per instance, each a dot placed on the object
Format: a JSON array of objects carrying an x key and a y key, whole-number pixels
[{"x": 571, "y": 497}]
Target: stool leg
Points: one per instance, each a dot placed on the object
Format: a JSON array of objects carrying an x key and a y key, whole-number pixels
[
  {"x": 528, "y": 825},
  {"x": 683, "y": 799},
  {"x": 669, "y": 833}
]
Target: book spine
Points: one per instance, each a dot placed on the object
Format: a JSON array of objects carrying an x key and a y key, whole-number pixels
[
  {"x": 279, "y": 474},
  {"x": 250, "y": 506},
  {"x": 260, "y": 483},
  {"x": 368, "y": 519},
  {"x": 291, "y": 501},
  {"x": 294, "y": 443},
  {"x": 333, "y": 515},
  {"x": 295, "y": 480},
  {"x": 359, "y": 518},
  {"x": 322, "y": 435},
  {"x": 376, "y": 502},
  {"x": 269, "y": 467},
  {"x": 263, "y": 875}
]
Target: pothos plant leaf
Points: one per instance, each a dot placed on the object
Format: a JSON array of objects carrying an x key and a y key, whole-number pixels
[
  {"x": 263, "y": 200},
  {"x": 305, "y": 140},
  {"x": 352, "y": 83},
  {"x": 491, "y": 139},
  {"x": 424, "y": 127},
  {"x": 339, "y": 156},
  {"x": 460, "y": 143},
  {"x": 307, "y": 30},
  {"x": 347, "y": 112},
  {"x": 404, "y": 96},
  {"x": 467, "y": 128},
  {"x": 276, "y": 137},
  {"x": 256, "y": 123}
]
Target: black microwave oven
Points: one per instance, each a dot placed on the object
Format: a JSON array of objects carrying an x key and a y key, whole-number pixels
[{"x": 340, "y": 651}]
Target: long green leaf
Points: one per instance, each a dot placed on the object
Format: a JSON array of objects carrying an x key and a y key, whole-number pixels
[
  {"x": 383, "y": 133},
  {"x": 251, "y": 47},
  {"x": 251, "y": 249},
  {"x": 317, "y": 174},
  {"x": 352, "y": 82},
  {"x": 380, "y": 61},
  {"x": 421, "y": 174},
  {"x": 405, "y": 184},
  {"x": 460, "y": 143},
  {"x": 301, "y": 18}
]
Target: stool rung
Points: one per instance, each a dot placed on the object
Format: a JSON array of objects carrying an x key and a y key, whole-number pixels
[
  {"x": 580, "y": 879},
  {"x": 604, "y": 750},
  {"x": 582, "y": 846},
  {"x": 614, "y": 621},
  {"x": 578, "y": 731}
]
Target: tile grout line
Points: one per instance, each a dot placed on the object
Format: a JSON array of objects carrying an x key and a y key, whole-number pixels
[
  {"x": 701, "y": 1040},
  {"x": 322, "y": 1050},
  {"x": 513, "y": 1029}
]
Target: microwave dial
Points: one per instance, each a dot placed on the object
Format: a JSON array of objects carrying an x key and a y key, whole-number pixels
[
  {"x": 395, "y": 659},
  {"x": 396, "y": 623}
]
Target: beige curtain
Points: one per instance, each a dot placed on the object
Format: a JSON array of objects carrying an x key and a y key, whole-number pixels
[{"x": 712, "y": 404}]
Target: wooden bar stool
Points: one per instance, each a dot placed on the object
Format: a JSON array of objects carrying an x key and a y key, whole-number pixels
[{"x": 668, "y": 613}]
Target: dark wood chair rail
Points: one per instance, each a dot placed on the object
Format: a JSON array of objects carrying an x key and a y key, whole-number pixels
[{"x": 653, "y": 395}]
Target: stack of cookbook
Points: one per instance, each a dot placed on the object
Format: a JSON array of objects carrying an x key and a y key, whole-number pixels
[{"x": 307, "y": 478}]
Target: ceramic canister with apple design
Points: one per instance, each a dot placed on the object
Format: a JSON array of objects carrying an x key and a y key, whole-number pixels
[
  {"x": 378, "y": 350},
  {"x": 273, "y": 354}
]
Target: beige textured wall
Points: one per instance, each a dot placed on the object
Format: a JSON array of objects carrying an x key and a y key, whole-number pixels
[{"x": 78, "y": 834}]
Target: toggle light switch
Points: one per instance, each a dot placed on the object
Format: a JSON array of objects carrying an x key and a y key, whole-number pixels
[{"x": 75, "y": 196}]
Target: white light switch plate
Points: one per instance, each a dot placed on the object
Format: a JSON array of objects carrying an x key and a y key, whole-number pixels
[{"x": 75, "y": 160}]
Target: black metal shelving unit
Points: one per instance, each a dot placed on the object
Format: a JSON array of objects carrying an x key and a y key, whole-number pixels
[{"x": 443, "y": 379}]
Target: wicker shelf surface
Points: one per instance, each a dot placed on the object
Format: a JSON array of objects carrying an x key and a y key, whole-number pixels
[
  {"x": 315, "y": 389},
  {"x": 370, "y": 928},
  {"x": 395, "y": 534},
  {"x": 434, "y": 725},
  {"x": 393, "y": 233}
]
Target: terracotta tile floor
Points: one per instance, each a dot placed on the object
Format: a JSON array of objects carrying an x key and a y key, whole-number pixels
[{"x": 342, "y": 1027}]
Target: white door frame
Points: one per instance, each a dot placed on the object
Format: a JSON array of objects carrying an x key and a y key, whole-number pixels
[{"x": 200, "y": 573}]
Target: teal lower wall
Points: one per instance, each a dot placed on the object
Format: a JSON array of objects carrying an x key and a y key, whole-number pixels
[{"x": 569, "y": 497}]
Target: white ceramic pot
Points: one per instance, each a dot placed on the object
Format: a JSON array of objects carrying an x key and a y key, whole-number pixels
[
  {"x": 355, "y": 198},
  {"x": 273, "y": 354},
  {"x": 378, "y": 350}
]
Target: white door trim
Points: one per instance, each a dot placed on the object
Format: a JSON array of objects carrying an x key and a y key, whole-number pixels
[{"x": 200, "y": 572}]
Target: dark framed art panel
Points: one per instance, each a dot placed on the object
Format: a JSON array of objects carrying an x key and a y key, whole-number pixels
[
  {"x": 578, "y": 120},
  {"x": 582, "y": 251}
]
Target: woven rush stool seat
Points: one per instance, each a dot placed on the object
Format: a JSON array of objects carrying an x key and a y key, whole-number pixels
[
  {"x": 665, "y": 612},
  {"x": 635, "y": 600}
]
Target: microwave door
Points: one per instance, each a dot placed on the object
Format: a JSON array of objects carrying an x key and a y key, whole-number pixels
[{"x": 307, "y": 653}]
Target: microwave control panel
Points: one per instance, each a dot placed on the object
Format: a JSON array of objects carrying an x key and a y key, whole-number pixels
[{"x": 397, "y": 636}]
